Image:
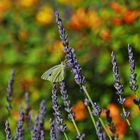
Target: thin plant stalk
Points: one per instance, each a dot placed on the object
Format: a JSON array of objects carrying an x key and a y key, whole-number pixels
[
  {"x": 89, "y": 98},
  {"x": 92, "y": 118},
  {"x": 101, "y": 121},
  {"x": 66, "y": 137},
  {"x": 74, "y": 123}
]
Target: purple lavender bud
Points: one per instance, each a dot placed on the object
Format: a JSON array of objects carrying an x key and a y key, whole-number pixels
[
  {"x": 8, "y": 131},
  {"x": 57, "y": 113},
  {"x": 86, "y": 102},
  {"x": 19, "y": 129},
  {"x": 125, "y": 114},
  {"x": 36, "y": 130},
  {"x": 131, "y": 59},
  {"x": 10, "y": 90},
  {"x": 52, "y": 130},
  {"x": 133, "y": 82},
  {"x": 42, "y": 112},
  {"x": 42, "y": 118},
  {"x": 133, "y": 76},
  {"x": 119, "y": 88},
  {"x": 101, "y": 135},
  {"x": 64, "y": 97},
  {"x": 121, "y": 100},
  {"x": 96, "y": 110},
  {"x": 80, "y": 137},
  {"x": 117, "y": 83},
  {"x": 70, "y": 53},
  {"x": 27, "y": 111},
  {"x": 61, "y": 29},
  {"x": 115, "y": 69},
  {"x": 71, "y": 116}
]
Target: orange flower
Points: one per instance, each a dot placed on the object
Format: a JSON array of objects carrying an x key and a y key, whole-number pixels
[
  {"x": 129, "y": 101},
  {"x": 105, "y": 35},
  {"x": 117, "y": 21},
  {"x": 93, "y": 20},
  {"x": 121, "y": 128},
  {"x": 83, "y": 18},
  {"x": 130, "y": 16},
  {"x": 117, "y": 7},
  {"x": 120, "y": 124},
  {"x": 114, "y": 111},
  {"x": 80, "y": 111},
  {"x": 79, "y": 19}
]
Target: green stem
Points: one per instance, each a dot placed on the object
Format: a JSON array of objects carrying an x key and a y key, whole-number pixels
[
  {"x": 66, "y": 137},
  {"x": 86, "y": 92},
  {"x": 74, "y": 123},
  {"x": 92, "y": 118},
  {"x": 89, "y": 98},
  {"x": 105, "y": 128}
]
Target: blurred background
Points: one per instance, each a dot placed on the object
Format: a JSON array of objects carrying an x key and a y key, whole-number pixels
[{"x": 30, "y": 44}]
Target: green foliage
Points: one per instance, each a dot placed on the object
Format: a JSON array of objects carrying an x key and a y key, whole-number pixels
[{"x": 31, "y": 45}]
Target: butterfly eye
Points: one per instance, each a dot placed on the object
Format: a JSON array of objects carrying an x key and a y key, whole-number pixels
[{"x": 50, "y": 74}]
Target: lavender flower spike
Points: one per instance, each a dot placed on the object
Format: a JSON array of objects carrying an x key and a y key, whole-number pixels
[
  {"x": 42, "y": 118},
  {"x": 19, "y": 129},
  {"x": 119, "y": 87},
  {"x": 8, "y": 131},
  {"x": 133, "y": 81},
  {"x": 96, "y": 110},
  {"x": 52, "y": 130},
  {"x": 133, "y": 75},
  {"x": 70, "y": 53},
  {"x": 27, "y": 111},
  {"x": 115, "y": 69},
  {"x": 36, "y": 130},
  {"x": 101, "y": 135},
  {"x": 57, "y": 114},
  {"x": 65, "y": 99},
  {"x": 10, "y": 90}
]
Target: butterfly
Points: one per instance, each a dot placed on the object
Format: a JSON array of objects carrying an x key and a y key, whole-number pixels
[{"x": 55, "y": 74}]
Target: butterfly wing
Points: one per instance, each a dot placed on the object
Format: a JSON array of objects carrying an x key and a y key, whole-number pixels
[
  {"x": 47, "y": 75},
  {"x": 55, "y": 74},
  {"x": 58, "y": 74}
]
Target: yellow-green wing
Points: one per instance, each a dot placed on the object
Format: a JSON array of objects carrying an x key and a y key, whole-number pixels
[
  {"x": 55, "y": 74},
  {"x": 48, "y": 73},
  {"x": 58, "y": 74}
]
